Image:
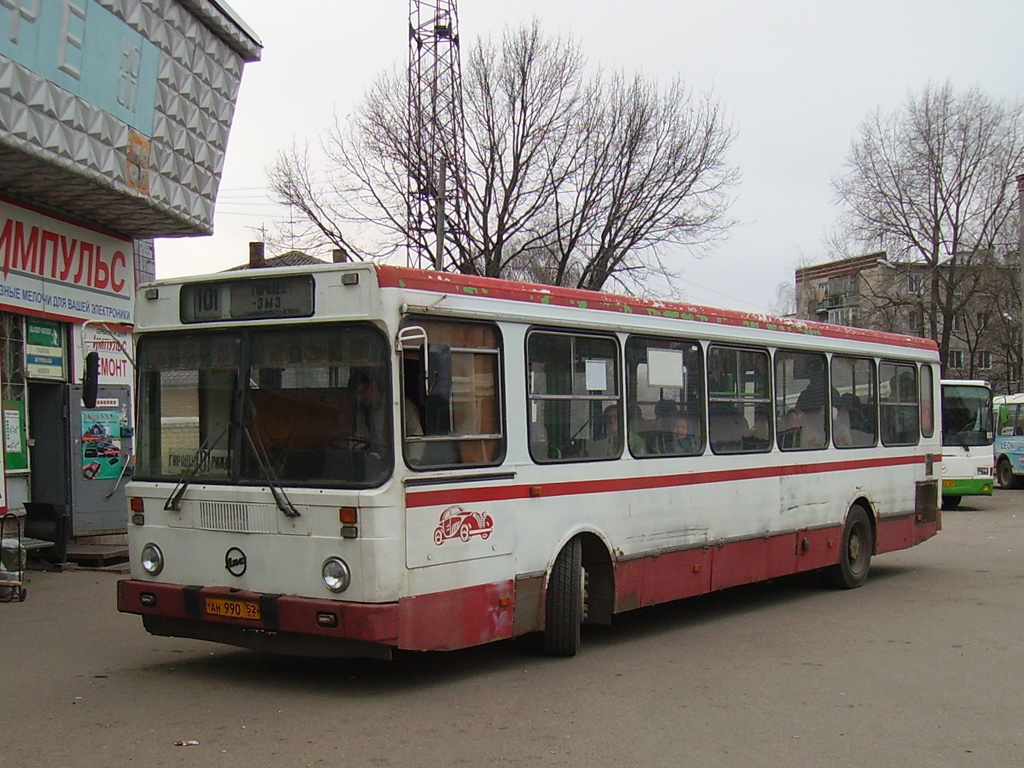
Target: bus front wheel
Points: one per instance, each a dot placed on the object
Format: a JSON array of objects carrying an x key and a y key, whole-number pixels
[
  {"x": 1005, "y": 476},
  {"x": 855, "y": 555},
  {"x": 564, "y": 607}
]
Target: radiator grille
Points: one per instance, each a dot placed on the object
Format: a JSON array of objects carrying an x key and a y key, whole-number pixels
[{"x": 236, "y": 517}]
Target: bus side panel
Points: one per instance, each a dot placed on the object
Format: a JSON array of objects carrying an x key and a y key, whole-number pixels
[
  {"x": 818, "y": 548},
  {"x": 660, "y": 578},
  {"x": 691, "y": 572},
  {"x": 894, "y": 533},
  {"x": 744, "y": 562},
  {"x": 457, "y": 618}
]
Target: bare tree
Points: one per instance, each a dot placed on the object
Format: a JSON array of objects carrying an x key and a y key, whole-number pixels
[
  {"x": 571, "y": 179},
  {"x": 933, "y": 184}
]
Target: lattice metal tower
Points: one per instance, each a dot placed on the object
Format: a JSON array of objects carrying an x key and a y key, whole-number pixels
[{"x": 437, "y": 176}]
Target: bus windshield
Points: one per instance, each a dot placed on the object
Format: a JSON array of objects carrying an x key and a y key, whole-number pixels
[
  {"x": 304, "y": 405},
  {"x": 966, "y": 415}
]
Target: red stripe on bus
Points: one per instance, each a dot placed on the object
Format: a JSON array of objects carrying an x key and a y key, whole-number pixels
[
  {"x": 584, "y": 487},
  {"x": 488, "y": 287}
]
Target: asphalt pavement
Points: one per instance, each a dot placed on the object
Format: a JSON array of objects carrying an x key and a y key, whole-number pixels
[{"x": 923, "y": 666}]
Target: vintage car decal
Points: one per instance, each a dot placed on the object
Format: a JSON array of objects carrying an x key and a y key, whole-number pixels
[{"x": 462, "y": 523}]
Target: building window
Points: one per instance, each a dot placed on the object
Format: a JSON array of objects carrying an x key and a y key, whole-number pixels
[
  {"x": 12, "y": 341},
  {"x": 915, "y": 285},
  {"x": 954, "y": 323},
  {"x": 981, "y": 320},
  {"x": 984, "y": 360},
  {"x": 843, "y": 316},
  {"x": 955, "y": 359}
]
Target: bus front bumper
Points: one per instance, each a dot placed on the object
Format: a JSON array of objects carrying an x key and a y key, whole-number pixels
[
  {"x": 272, "y": 623},
  {"x": 980, "y": 486}
]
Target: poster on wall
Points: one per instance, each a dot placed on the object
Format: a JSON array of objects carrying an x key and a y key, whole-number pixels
[
  {"x": 15, "y": 440},
  {"x": 102, "y": 457},
  {"x": 3, "y": 473}
]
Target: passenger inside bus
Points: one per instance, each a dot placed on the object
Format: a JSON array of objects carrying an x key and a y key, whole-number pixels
[
  {"x": 609, "y": 446},
  {"x": 685, "y": 434},
  {"x": 370, "y": 429},
  {"x": 727, "y": 428},
  {"x": 659, "y": 439}
]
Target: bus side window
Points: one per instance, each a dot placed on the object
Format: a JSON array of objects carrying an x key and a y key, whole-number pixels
[
  {"x": 665, "y": 397},
  {"x": 854, "y": 402},
  {"x": 802, "y": 406},
  {"x": 739, "y": 397},
  {"x": 451, "y": 405},
  {"x": 573, "y": 378},
  {"x": 899, "y": 413}
]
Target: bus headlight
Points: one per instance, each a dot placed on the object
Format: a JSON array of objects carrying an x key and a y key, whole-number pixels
[
  {"x": 152, "y": 559},
  {"x": 336, "y": 573}
]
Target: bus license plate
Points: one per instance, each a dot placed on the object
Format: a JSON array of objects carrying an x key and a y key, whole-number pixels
[
  {"x": 233, "y": 609},
  {"x": 948, "y": 483}
]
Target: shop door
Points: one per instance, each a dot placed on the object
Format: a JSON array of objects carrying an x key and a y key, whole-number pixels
[
  {"x": 100, "y": 447},
  {"x": 48, "y": 443}
]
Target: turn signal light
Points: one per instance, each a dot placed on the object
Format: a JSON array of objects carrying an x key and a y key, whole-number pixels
[
  {"x": 348, "y": 516},
  {"x": 137, "y": 504}
]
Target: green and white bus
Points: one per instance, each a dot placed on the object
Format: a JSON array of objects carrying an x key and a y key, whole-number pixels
[{"x": 966, "y": 440}]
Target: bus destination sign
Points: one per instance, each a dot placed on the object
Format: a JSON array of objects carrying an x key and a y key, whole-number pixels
[{"x": 264, "y": 298}]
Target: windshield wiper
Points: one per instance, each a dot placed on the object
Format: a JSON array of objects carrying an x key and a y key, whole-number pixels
[
  {"x": 173, "y": 503},
  {"x": 276, "y": 490}
]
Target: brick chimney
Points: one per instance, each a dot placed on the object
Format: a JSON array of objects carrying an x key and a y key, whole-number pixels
[
  {"x": 256, "y": 255},
  {"x": 339, "y": 255}
]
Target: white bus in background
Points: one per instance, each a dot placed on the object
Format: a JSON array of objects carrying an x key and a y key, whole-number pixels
[
  {"x": 355, "y": 458},
  {"x": 967, "y": 436}
]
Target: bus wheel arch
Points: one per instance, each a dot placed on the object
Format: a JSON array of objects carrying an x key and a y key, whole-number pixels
[{"x": 856, "y": 548}]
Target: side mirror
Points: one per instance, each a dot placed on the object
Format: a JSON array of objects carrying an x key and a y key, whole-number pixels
[{"x": 91, "y": 380}]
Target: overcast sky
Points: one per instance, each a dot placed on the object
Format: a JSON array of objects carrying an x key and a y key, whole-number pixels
[{"x": 795, "y": 77}]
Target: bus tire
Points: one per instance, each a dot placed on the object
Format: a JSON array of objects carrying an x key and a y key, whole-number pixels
[
  {"x": 563, "y": 610},
  {"x": 855, "y": 555},
  {"x": 1005, "y": 476},
  {"x": 951, "y": 502}
]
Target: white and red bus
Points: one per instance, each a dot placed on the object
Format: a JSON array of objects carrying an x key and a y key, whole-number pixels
[{"x": 355, "y": 458}]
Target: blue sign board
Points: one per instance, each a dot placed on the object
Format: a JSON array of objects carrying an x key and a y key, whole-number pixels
[{"x": 85, "y": 49}]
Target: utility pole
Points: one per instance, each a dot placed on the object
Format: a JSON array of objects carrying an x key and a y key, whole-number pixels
[
  {"x": 436, "y": 135},
  {"x": 1020, "y": 281}
]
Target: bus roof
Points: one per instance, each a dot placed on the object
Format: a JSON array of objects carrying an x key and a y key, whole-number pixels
[
  {"x": 966, "y": 383},
  {"x": 531, "y": 293},
  {"x": 389, "y": 276}
]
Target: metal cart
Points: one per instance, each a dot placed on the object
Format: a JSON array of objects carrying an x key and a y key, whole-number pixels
[{"x": 12, "y": 560}]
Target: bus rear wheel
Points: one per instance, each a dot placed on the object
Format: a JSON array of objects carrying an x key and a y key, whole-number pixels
[
  {"x": 564, "y": 607},
  {"x": 855, "y": 556},
  {"x": 951, "y": 502}
]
